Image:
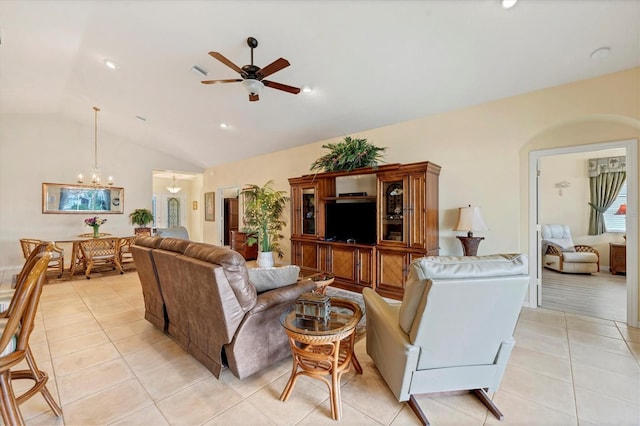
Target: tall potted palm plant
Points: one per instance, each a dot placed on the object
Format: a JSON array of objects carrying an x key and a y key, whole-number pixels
[{"x": 263, "y": 220}]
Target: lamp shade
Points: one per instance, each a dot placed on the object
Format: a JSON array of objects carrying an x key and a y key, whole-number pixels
[
  {"x": 622, "y": 210},
  {"x": 470, "y": 219}
]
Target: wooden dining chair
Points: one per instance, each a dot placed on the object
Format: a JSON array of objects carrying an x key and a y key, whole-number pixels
[
  {"x": 57, "y": 261},
  {"x": 16, "y": 326},
  {"x": 39, "y": 377},
  {"x": 124, "y": 250},
  {"x": 100, "y": 251}
]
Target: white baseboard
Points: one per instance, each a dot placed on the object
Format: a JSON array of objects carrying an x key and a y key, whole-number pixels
[{"x": 9, "y": 268}]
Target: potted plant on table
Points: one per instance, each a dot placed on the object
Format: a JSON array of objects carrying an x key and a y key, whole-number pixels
[
  {"x": 263, "y": 221},
  {"x": 141, "y": 217}
]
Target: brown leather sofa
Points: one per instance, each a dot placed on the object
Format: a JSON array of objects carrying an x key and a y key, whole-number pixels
[{"x": 201, "y": 295}]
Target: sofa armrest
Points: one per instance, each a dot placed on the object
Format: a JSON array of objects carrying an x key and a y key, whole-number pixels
[
  {"x": 396, "y": 358},
  {"x": 280, "y": 295},
  {"x": 553, "y": 249}
]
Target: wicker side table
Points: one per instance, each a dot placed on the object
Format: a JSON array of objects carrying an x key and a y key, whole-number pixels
[{"x": 323, "y": 351}]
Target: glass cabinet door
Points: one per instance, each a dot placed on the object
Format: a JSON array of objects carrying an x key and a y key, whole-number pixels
[
  {"x": 392, "y": 213},
  {"x": 308, "y": 211}
]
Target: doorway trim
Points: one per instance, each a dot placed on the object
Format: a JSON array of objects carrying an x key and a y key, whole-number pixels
[
  {"x": 631, "y": 146},
  {"x": 220, "y": 210}
]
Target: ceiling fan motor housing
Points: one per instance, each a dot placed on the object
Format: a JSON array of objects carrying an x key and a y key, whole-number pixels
[{"x": 250, "y": 71}]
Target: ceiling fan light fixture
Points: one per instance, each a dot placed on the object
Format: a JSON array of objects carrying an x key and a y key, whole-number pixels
[
  {"x": 306, "y": 89},
  {"x": 253, "y": 86}
]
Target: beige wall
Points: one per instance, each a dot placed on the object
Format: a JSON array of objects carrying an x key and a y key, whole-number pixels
[
  {"x": 571, "y": 208},
  {"x": 48, "y": 148},
  {"x": 483, "y": 151}
]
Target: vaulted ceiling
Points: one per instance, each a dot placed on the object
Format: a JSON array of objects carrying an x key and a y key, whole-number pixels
[{"x": 368, "y": 63}]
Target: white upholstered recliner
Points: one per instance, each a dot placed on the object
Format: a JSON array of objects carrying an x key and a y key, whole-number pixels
[
  {"x": 561, "y": 254},
  {"x": 454, "y": 328}
]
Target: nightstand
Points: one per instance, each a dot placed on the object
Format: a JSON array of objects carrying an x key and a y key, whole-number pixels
[{"x": 618, "y": 258}]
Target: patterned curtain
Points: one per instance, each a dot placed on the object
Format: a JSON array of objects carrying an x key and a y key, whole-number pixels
[{"x": 606, "y": 177}]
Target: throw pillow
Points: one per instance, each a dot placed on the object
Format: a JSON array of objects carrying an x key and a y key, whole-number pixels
[{"x": 274, "y": 277}]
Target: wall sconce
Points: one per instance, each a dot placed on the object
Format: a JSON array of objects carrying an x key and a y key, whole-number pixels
[{"x": 561, "y": 185}]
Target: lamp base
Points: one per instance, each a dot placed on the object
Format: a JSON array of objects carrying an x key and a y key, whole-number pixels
[{"x": 470, "y": 245}]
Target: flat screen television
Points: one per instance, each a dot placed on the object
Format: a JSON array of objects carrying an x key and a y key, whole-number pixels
[{"x": 354, "y": 222}]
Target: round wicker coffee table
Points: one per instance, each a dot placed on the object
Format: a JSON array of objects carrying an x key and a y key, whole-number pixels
[{"x": 323, "y": 350}]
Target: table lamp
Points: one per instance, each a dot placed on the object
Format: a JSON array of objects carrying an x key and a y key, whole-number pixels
[{"x": 470, "y": 220}]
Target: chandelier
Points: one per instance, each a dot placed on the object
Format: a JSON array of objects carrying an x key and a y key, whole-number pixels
[
  {"x": 174, "y": 189},
  {"x": 96, "y": 178}
]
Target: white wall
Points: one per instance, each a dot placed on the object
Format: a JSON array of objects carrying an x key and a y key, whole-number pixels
[{"x": 46, "y": 148}]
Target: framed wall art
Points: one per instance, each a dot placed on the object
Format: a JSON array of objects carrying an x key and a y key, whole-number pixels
[{"x": 210, "y": 206}]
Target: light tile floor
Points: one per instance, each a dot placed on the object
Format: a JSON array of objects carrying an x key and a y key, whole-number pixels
[{"x": 109, "y": 366}]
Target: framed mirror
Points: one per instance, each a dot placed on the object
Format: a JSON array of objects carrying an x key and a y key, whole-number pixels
[{"x": 63, "y": 198}]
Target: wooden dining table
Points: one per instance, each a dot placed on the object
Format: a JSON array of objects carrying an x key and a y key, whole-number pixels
[{"x": 76, "y": 256}]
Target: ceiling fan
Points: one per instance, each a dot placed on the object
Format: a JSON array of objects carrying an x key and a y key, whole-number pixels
[{"x": 252, "y": 75}]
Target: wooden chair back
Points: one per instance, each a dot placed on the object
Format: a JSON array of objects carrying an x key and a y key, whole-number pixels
[
  {"x": 101, "y": 251},
  {"x": 56, "y": 263},
  {"x": 124, "y": 249},
  {"x": 33, "y": 373}
]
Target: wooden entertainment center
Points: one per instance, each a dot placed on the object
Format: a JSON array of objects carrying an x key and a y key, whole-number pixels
[{"x": 405, "y": 200}]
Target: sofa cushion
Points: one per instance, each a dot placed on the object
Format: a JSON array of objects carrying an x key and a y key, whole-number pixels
[
  {"x": 235, "y": 270},
  {"x": 173, "y": 244},
  {"x": 265, "y": 279},
  {"x": 580, "y": 257},
  {"x": 449, "y": 267},
  {"x": 147, "y": 241}
]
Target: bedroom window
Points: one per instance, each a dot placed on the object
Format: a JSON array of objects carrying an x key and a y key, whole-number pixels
[{"x": 616, "y": 222}]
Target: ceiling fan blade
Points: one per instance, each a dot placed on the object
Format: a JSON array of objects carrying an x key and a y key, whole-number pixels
[
  {"x": 281, "y": 86},
  {"x": 274, "y": 66},
  {"x": 225, "y": 61},
  {"x": 253, "y": 98},
  {"x": 231, "y": 80}
]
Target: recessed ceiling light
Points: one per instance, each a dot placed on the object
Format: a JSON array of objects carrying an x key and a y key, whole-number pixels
[
  {"x": 110, "y": 64},
  {"x": 600, "y": 53},
  {"x": 306, "y": 89},
  {"x": 508, "y": 4},
  {"x": 224, "y": 126}
]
